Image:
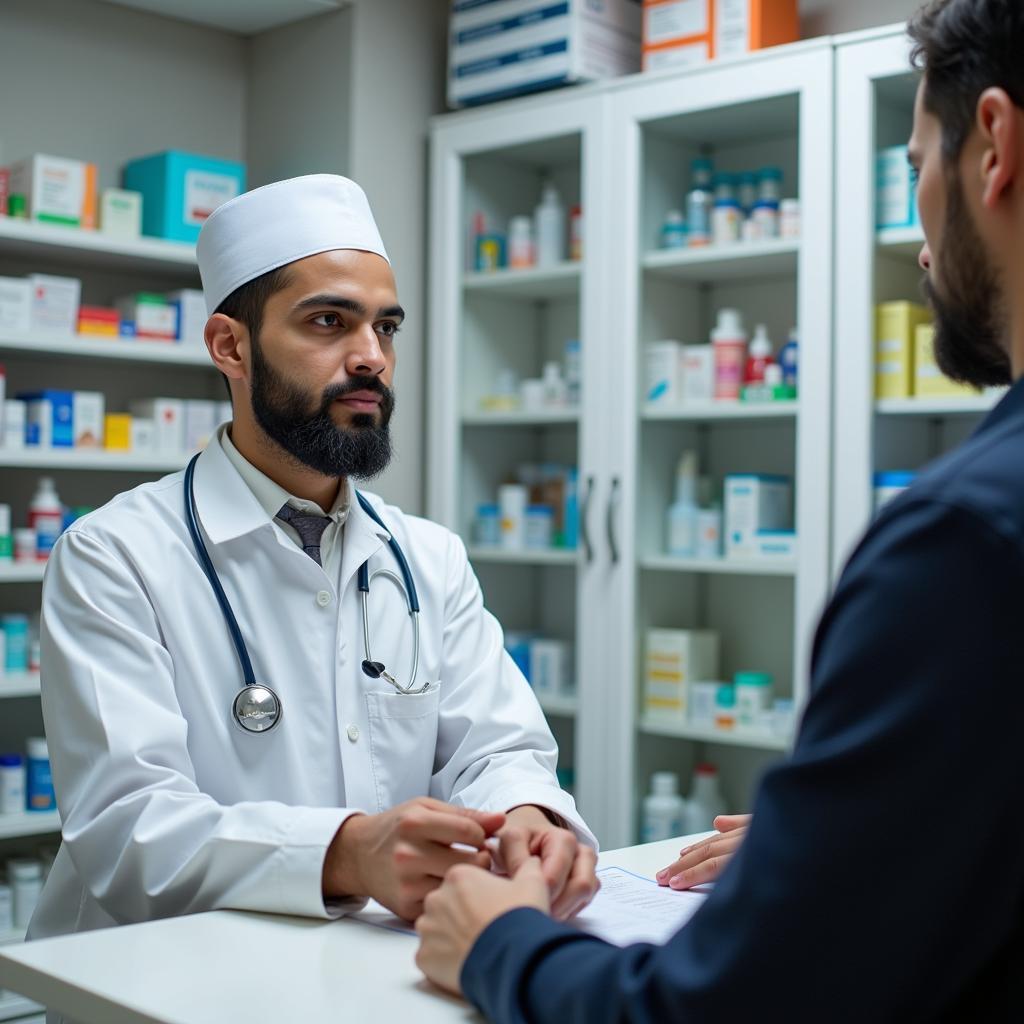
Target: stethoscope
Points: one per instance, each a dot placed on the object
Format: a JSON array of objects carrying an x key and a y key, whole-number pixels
[{"x": 256, "y": 707}]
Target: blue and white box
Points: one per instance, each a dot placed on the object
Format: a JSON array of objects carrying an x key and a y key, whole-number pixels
[
  {"x": 895, "y": 195},
  {"x": 180, "y": 190},
  {"x": 49, "y": 418},
  {"x": 502, "y": 48},
  {"x": 754, "y": 503}
]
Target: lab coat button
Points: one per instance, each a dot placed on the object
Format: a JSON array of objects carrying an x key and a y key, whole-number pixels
[
  {"x": 323, "y": 598},
  {"x": 353, "y": 732}
]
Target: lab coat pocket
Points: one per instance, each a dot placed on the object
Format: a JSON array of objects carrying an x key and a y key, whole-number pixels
[{"x": 403, "y": 739}]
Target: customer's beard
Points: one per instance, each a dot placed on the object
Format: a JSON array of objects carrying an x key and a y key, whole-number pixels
[{"x": 967, "y": 298}]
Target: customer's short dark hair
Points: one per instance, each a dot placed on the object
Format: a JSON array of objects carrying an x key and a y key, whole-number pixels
[
  {"x": 965, "y": 47},
  {"x": 247, "y": 301}
]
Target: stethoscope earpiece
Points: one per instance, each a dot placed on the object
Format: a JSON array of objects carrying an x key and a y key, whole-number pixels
[{"x": 374, "y": 669}]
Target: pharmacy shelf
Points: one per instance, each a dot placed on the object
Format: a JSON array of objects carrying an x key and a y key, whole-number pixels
[
  {"x": 21, "y": 572},
  {"x": 967, "y": 406},
  {"x": 13, "y": 1007},
  {"x": 521, "y": 418},
  {"x": 558, "y": 281},
  {"x": 29, "y": 823},
  {"x": 47, "y": 241},
  {"x": 902, "y": 242},
  {"x": 11, "y": 937},
  {"x": 72, "y": 458},
  {"x": 722, "y": 411},
  {"x": 773, "y": 258},
  {"x": 19, "y": 684},
  {"x": 83, "y": 347},
  {"x": 564, "y": 707},
  {"x": 722, "y": 566},
  {"x": 755, "y": 740},
  {"x": 524, "y": 556}
]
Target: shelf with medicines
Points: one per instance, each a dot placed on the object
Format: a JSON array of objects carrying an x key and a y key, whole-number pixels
[
  {"x": 84, "y": 347},
  {"x": 29, "y": 823}
]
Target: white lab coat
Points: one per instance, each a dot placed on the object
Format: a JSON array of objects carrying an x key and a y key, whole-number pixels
[{"x": 167, "y": 806}]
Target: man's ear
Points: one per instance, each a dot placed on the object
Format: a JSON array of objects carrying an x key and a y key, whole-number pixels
[
  {"x": 999, "y": 125},
  {"x": 227, "y": 341}
]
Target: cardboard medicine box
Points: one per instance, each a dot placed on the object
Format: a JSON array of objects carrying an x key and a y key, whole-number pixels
[
  {"x": 674, "y": 660},
  {"x": 895, "y": 324},
  {"x": 502, "y": 48},
  {"x": 180, "y": 190},
  {"x": 15, "y": 304},
  {"x": 754, "y": 503},
  {"x": 687, "y": 32},
  {"x": 168, "y": 418}
]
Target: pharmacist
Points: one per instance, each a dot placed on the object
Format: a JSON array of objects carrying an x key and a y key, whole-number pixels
[{"x": 288, "y": 748}]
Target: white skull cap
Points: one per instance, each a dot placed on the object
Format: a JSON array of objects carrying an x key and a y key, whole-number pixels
[{"x": 278, "y": 224}]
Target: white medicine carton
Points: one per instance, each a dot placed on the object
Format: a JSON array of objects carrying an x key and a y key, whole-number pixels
[
  {"x": 168, "y": 417},
  {"x": 675, "y": 659},
  {"x": 754, "y": 503},
  {"x": 15, "y": 304},
  {"x": 501, "y": 48}
]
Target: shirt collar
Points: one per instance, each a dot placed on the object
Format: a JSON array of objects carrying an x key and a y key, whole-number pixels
[
  {"x": 228, "y": 507},
  {"x": 272, "y": 496}
]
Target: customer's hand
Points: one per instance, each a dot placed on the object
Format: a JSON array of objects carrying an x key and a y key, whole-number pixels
[
  {"x": 568, "y": 866},
  {"x": 705, "y": 861},
  {"x": 399, "y": 856},
  {"x": 469, "y": 900}
]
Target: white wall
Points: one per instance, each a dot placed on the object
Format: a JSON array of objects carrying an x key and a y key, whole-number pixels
[
  {"x": 67, "y": 69},
  {"x": 830, "y": 17}
]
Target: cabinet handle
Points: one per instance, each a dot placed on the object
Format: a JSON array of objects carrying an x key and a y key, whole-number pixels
[
  {"x": 613, "y": 507},
  {"x": 588, "y": 548}
]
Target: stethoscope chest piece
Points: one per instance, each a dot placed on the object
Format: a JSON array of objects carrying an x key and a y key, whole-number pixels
[{"x": 256, "y": 708}]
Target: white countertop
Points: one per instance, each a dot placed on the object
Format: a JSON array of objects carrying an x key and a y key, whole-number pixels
[{"x": 235, "y": 966}]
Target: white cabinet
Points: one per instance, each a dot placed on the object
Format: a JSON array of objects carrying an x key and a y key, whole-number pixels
[{"x": 625, "y": 150}]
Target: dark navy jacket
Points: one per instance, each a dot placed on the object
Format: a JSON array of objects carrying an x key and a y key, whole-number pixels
[{"x": 883, "y": 875}]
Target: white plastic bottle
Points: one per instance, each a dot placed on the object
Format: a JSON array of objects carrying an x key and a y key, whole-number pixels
[
  {"x": 706, "y": 802},
  {"x": 46, "y": 517},
  {"x": 683, "y": 513},
  {"x": 520, "y": 242},
  {"x": 549, "y": 228},
  {"x": 664, "y": 809}
]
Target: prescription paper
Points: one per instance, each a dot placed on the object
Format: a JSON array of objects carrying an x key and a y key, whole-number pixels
[{"x": 628, "y": 908}]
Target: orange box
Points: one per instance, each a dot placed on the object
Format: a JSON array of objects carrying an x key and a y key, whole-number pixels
[
  {"x": 117, "y": 432},
  {"x": 686, "y": 32},
  {"x": 89, "y": 202}
]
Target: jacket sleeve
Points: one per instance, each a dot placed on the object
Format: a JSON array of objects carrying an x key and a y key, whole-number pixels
[
  {"x": 494, "y": 748},
  {"x": 145, "y": 841},
  {"x": 852, "y": 897}
]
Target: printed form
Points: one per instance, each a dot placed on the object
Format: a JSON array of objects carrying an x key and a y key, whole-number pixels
[{"x": 628, "y": 908}]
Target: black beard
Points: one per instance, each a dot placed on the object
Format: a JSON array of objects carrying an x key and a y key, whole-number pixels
[
  {"x": 282, "y": 409},
  {"x": 970, "y": 318}
]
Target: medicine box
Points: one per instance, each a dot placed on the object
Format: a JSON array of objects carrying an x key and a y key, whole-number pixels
[
  {"x": 895, "y": 326},
  {"x": 56, "y": 190},
  {"x": 49, "y": 418},
  {"x": 98, "y": 321},
  {"x": 200, "y": 423},
  {"x": 15, "y": 424},
  {"x": 55, "y": 302},
  {"x": 501, "y": 48},
  {"x": 117, "y": 432},
  {"x": 895, "y": 195},
  {"x": 191, "y": 307},
  {"x": 754, "y": 503},
  {"x": 121, "y": 213},
  {"x": 698, "y": 373},
  {"x": 687, "y": 32},
  {"x": 674, "y": 660},
  {"x": 550, "y": 667},
  {"x": 663, "y": 364},
  {"x": 180, "y": 190},
  {"x": 154, "y": 317},
  {"x": 929, "y": 380},
  {"x": 87, "y": 413},
  {"x": 775, "y": 544},
  {"x": 168, "y": 418},
  {"x": 15, "y": 304},
  {"x": 143, "y": 436}
]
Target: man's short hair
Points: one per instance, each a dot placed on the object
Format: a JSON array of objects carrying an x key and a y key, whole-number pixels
[{"x": 965, "y": 47}]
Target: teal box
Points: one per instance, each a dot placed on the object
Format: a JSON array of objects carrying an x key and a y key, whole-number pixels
[{"x": 180, "y": 190}]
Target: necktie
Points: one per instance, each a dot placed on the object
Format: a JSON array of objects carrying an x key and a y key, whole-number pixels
[{"x": 310, "y": 529}]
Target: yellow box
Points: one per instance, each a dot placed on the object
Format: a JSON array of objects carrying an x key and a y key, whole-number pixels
[
  {"x": 117, "y": 432},
  {"x": 895, "y": 324},
  {"x": 929, "y": 380}
]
